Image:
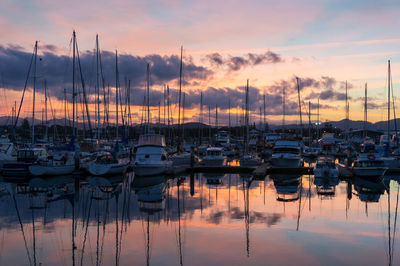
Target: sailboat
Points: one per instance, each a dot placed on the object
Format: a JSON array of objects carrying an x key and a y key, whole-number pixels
[
  {"x": 151, "y": 155},
  {"x": 248, "y": 159},
  {"x": 60, "y": 162},
  {"x": 110, "y": 163},
  {"x": 181, "y": 157},
  {"x": 27, "y": 155}
]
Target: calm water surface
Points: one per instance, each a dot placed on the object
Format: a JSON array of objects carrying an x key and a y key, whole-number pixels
[{"x": 199, "y": 219}]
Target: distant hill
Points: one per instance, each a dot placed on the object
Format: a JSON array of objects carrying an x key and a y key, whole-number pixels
[{"x": 354, "y": 125}]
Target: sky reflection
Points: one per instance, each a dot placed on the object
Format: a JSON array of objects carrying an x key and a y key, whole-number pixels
[{"x": 197, "y": 220}]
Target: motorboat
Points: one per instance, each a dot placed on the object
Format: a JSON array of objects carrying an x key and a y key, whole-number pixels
[
  {"x": 326, "y": 167},
  {"x": 286, "y": 154},
  {"x": 368, "y": 165},
  {"x": 214, "y": 157},
  {"x": 328, "y": 144},
  {"x": 250, "y": 160},
  {"x": 222, "y": 139},
  {"x": 151, "y": 156}
]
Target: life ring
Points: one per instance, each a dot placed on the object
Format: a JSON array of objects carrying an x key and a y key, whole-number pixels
[{"x": 371, "y": 157}]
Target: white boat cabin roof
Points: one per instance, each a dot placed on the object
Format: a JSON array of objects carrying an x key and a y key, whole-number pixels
[
  {"x": 151, "y": 140},
  {"x": 215, "y": 149}
]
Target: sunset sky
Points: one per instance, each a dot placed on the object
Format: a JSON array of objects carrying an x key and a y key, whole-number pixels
[{"x": 324, "y": 43}]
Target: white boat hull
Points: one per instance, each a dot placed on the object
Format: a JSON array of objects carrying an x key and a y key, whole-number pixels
[{"x": 41, "y": 170}]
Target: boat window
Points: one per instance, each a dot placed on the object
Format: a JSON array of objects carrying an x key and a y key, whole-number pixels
[{"x": 147, "y": 156}]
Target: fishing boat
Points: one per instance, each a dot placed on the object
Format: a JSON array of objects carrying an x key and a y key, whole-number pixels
[
  {"x": 151, "y": 156},
  {"x": 214, "y": 157},
  {"x": 286, "y": 154},
  {"x": 326, "y": 167}
]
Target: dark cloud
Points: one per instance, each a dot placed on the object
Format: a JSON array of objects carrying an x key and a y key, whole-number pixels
[
  {"x": 235, "y": 63},
  {"x": 57, "y": 69}
]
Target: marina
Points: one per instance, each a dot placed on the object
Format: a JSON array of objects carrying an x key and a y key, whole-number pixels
[{"x": 199, "y": 133}]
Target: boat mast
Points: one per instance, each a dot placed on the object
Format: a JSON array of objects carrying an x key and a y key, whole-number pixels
[
  {"x": 98, "y": 87},
  {"x": 201, "y": 115},
  {"x": 365, "y": 111},
  {"x": 309, "y": 124},
  {"x": 209, "y": 122},
  {"x": 216, "y": 116},
  {"x": 45, "y": 110},
  {"x": 73, "y": 83},
  {"x": 264, "y": 113},
  {"x": 318, "y": 120},
  {"x": 283, "y": 109},
  {"x": 148, "y": 98},
  {"x": 168, "y": 115},
  {"x": 183, "y": 118},
  {"x": 65, "y": 113},
  {"x": 229, "y": 114},
  {"x": 298, "y": 95},
  {"x": 388, "y": 115},
  {"x": 247, "y": 116},
  {"x": 347, "y": 115},
  {"x": 34, "y": 92},
  {"x": 179, "y": 96},
  {"x": 116, "y": 93}
]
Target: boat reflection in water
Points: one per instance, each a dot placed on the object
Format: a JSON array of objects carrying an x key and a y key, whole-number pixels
[
  {"x": 150, "y": 193},
  {"x": 326, "y": 185},
  {"x": 155, "y": 220},
  {"x": 287, "y": 186},
  {"x": 214, "y": 178},
  {"x": 370, "y": 190}
]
